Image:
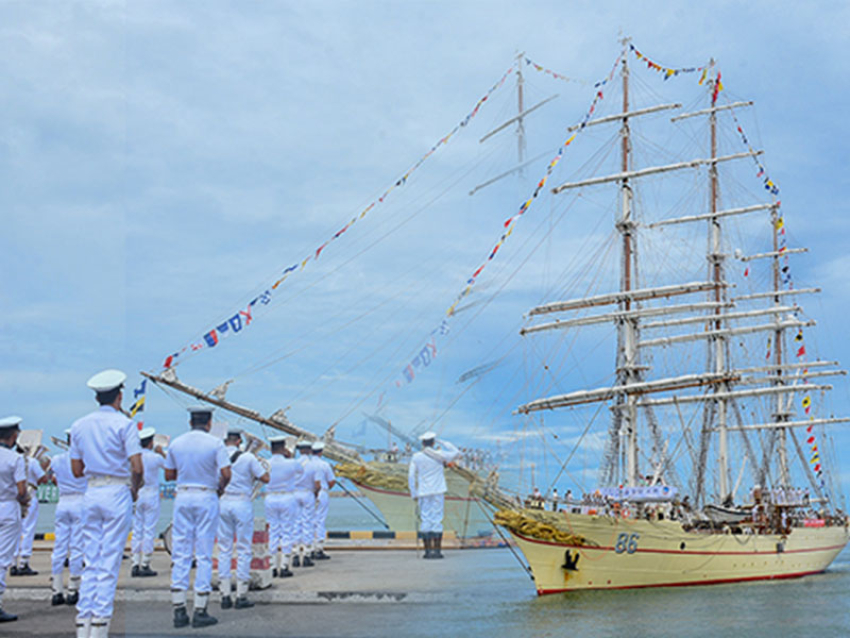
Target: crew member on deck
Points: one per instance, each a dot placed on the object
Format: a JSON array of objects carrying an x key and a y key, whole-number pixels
[
  {"x": 105, "y": 449},
  {"x": 35, "y": 476},
  {"x": 427, "y": 484},
  {"x": 146, "y": 514},
  {"x": 237, "y": 519},
  {"x": 13, "y": 498},
  {"x": 306, "y": 490},
  {"x": 327, "y": 480},
  {"x": 281, "y": 505},
  {"x": 68, "y": 528},
  {"x": 199, "y": 463}
]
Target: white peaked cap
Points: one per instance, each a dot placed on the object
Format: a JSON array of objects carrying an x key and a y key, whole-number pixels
[
  {"x": 280, "y": 438},
  {"x": 146, "y": 433},
  {"x": 198, "y": 409},
  {"x": 106, "y": 380},
  {"x": 318, "y": 446},
  {"x": 10, "y": 421},
  {"x": 427, "y": 436},
  {"x": 68, "y": 432},
  {"x": 303, "y": 443}
]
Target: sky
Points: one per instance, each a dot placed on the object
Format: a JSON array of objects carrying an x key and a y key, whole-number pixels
[{"x": 164, "y": 163}]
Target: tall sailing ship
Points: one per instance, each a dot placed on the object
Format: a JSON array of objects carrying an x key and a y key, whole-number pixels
[{"x": 704, "y": 476}]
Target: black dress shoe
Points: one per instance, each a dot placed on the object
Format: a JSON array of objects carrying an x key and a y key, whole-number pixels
[
  {"x": 181, "y": 618},
  {"x": 26, "y": 570},
  {"x": 72, "y": 598},
  {"x": 274, "y": 573},
  {"x": 284, "y": 573},
  {"x": 4, "y": 617},
  {"x": 134, "y": 573},
  {"x": 296, "y": 561},
  {"x": 13, "y": 570},
  {"x": 202, "y": 619},
  {"x": 58, "y": 599},
  {"x": 307, "y": 562},
  {"x": 243, "y": 603},
  {"x": 320, "y": 555},
  {"x": 226, "y": 602},
  {"x": 146, "y": 572}
]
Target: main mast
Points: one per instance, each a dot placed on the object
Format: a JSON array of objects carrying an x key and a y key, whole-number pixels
[
  {"x": 716, "y": 258},
  {"x": 628, "y": 327}
]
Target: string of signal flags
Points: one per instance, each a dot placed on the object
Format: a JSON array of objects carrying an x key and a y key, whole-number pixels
[{"x": 243, "y": 318}]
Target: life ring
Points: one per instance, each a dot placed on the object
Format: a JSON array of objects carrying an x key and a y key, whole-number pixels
[{"x": 625, "y": 513}]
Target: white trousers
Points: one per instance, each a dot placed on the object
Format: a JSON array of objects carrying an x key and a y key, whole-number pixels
[
  {"x": 303, "y": 533},
  {"x": 24, "y": 548},
  {"x": 282, "y": 517},
  {"x": 107, "y": 514},
  {"x": 68, "y": 527},
  {"x": 193, "y": 535},
  {"x": 322, "y": 507},
  {"x": 10, "y": 533},
  {"x": 236, "y": 520},
  {"x": 145, "y": 518},
  {"x": 431, "y": 513}
]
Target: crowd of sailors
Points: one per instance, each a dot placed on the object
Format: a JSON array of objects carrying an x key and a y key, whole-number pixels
[{"x": 108, "y": 482}]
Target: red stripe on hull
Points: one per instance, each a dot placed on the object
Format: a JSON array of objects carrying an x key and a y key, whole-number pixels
[
  {"x": 692, "y": 583},
  {"x": 680, "y": 551}
]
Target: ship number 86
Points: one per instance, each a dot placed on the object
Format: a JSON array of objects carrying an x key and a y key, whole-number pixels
[{"x": 626, "y": 543}]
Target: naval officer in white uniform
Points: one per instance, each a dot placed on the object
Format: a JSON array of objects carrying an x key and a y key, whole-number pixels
[
  {"x": 13, "y": 497},
  {"x": 327, "y": 480},
  {"x": 237, "y": 520},
  {"x": 146, "y": 512},
  {"x": 35, "y": 477},
  {"x": 427, "y": 484},
  {"x": 306, "y": 490},
  {"x": 68, "y": 527},
  {"x": 281, "y": 505},
  {"x": 105, "y": 449},
  {"x": 199, "y": 463}
]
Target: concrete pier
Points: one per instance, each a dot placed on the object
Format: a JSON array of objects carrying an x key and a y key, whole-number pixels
[{"x": 356, "y": 593}]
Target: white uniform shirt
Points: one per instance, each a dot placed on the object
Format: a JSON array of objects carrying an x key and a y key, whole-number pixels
[
  {"x": 152, "y": 464},
  {"x": 13, "y": 470},
  {"x": 324, "y": 471},
  {"x": 283, "y": 473},
  {"x": 198, "y": 458},
  {"x": 245, "y": 470},
  {"x": 425, "y": 476},
  {"x": 104, "y": 441},
  {"x": 308, "y": 479},
  {"x": 34, "y": 471},
  {"x": 65, "y": 479}
]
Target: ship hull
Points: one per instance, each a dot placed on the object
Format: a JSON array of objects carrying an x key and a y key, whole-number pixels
[
  {"x": 463, "y": 515},
  {"x": 632, "y": 554}
]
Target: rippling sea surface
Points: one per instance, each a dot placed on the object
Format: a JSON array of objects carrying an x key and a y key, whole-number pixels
[{"x": 487, "y": 593}]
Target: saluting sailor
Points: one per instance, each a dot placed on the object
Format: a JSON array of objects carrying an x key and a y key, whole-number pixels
[
  {"x": 102, "y": 443},
  {"x": 306, "y": 490},
  {"x": 13, "y": 498},
  {"x": 199, "y": 463},
  {"x": 68, "y": 526},
  {"x": 427, "y": 484},
  {"x": 327, "y": 480},
  {"x": 35, "y": 477},
  {"x": 146, "y": 514},
  {"x": 281, "y": 505},
  {"x": 237, "y": 519}
]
